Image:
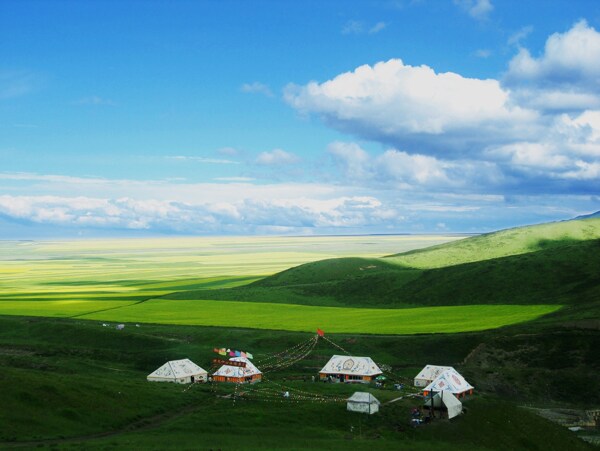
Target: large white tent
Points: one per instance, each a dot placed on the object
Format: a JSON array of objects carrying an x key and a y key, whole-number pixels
[
  {"x": 450, "y": 380},
  {"x": 182, "y": 371},
  {"x": 447, "y": 399},
  {"x": 429, "y": 373},
  {"x": 363, "y": 402},
  {"x": 345, "y": 368},
  {"x": 238, "y": 374}
]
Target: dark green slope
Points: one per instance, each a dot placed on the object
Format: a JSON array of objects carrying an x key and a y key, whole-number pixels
[{"x": 567, "y": 274}]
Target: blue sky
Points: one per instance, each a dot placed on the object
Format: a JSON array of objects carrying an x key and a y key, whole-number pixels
[{"x": 239, "y": 117}]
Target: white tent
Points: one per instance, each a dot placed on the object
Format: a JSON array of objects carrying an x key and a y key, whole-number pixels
[
  {"x": 450, "y": 380},
  {"x": 429, "y": 373},
  {"x": 182, "y": 371},
  {"x": 453, "y": 405},
  {"x": 231, "y": 373},
  {"x": 352, "y": 369},
  {"x": 363, "y": 402}
]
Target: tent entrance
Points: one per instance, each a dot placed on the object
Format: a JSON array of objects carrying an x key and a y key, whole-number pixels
[{"x": 192, "y": 377}]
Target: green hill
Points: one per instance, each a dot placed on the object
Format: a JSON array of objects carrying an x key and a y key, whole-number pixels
[{"x": 557, "y": 263}]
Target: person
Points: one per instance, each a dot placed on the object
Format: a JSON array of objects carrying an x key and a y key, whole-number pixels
[
  {"x": 313, "y": 378},
  {"x": 286, "y": 394}
]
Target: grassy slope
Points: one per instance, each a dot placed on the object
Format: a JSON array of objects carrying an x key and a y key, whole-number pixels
[
  {"x": 64, "y": 378},
  {"x": 535, "y": 270}
]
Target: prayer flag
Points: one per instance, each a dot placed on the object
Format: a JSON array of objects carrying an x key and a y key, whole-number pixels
[
  {"x": 231, "y": 353},
  {"x": 250, "y": 356},
  {"x": 238, "y": 353},
  {"x": 222, "y": 351},
  {"x": 320, "y": 333},
  {"x": 244, "y": 354}
]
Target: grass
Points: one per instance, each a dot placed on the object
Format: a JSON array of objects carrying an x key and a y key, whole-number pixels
[
  {"x": 69, "y": 380},
  {"x": 143, "y": 268},
  {"x": 335, "y": 320}
]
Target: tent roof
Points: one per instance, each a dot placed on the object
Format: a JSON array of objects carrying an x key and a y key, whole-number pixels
[
  {"x": 236, "y": 371},
  {"x": 430, "y": 372},
  {"x": 450, "y": 380},
  {"x": 354, "y": 366},
  {"x": 176, "y": 369},
  {"x": 361, "y": 396}
]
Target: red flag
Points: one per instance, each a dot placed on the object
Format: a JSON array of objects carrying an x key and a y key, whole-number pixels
[{"x": 320, "y": 333}]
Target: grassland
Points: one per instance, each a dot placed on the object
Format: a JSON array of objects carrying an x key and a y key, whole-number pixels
[
  {"x": 70, "y": 383},
  {"x": 333, "y": 319}
]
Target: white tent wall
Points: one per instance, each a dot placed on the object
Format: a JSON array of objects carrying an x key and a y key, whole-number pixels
[
  {"x": 363, "y": 402},
  {"x": 453, "y": 405},
  {"x": 363, "y": 407}
]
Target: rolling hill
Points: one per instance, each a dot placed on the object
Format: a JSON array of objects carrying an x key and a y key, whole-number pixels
[{"x": 556, "y": 263}]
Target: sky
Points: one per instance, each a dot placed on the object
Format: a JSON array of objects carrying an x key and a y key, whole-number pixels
[{"x": 144, "y": 118}]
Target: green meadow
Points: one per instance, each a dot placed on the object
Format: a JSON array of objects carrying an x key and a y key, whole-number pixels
[
  {"x": 516, "y": 312},
  {"x": 256, "y": 315}
]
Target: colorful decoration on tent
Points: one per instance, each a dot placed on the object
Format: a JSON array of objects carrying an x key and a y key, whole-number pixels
[
  {"x": 229, "y": 362},
  {"x": 232, "y": 353}
]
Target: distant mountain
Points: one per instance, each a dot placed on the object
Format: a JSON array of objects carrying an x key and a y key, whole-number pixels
[{"x": 591, "y": 215}]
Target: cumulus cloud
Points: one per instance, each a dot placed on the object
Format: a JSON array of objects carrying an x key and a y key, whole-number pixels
[
  {"x": 537, "y": 129},
  {"x": 276, "y": 157},
  {"x": 412, "y": 106},
  {"x": 566, "y": 76},
  {"x": 478, "y": 9}
]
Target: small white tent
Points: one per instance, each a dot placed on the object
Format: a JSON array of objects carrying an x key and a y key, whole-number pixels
[
  {"x": 343, "y": 368},
  {"x": 453, "y": 405},
  {"x": 363, "y": 402},
  {"x": 450, "y": 380},
  {"x": 429, "y": 373},
  {"x": 182, "y": 371}
]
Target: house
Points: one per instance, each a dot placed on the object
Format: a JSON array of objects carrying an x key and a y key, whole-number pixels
[
  {"x": 451, "y": 381},
  {"x": 241, "y": 370},
  {"x": 428, "y": 374},
  {"x": 182, "y": 371},
  {"x": 343, "y": 368},
  {"x": 363, "y": 402},
  {"x": 447, "y": 401}
]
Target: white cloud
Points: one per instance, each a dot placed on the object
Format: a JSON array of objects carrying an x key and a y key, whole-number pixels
[
  {"x": 379, "y": 26},
  {"x": 277, "y": 157},
  {"x": 353, "y": 27},
  {"x": 483, "y": 53},
  {"x": 565, "y": 77},
  {"x": 358, "y": 27},
  {"x": 520, "y": 35},
  {"x": 568, "y": 57},
  {"x": 257, "y": 88},
  {"x": 406, "y": 105},
  {"x": 478, "y": 9}
]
